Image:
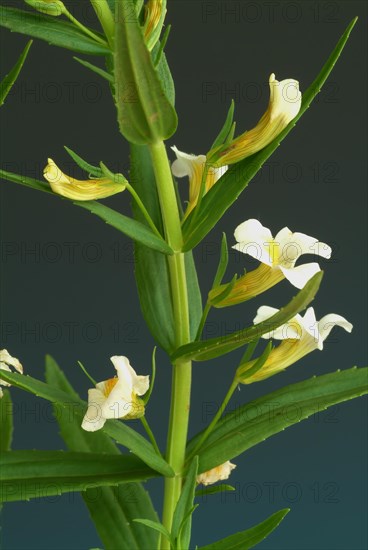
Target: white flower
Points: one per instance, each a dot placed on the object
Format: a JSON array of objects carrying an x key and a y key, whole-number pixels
[
  {"x": 284, "y": 105},
  {"x": 216, "y": 474},
  {"x": 300, "y": 336},
  {"x": 116, "y": 397},
  {"x": 281, "y": 252},
  {"x": 7, "y": 361},
  {"x": 193, "y": 166}
]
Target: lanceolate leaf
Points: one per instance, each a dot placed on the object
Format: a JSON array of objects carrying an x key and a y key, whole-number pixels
[
  {"x": 6, "y": 421},
  {"x": 251, "y": 537},
  {"x": 253, "y": 423},
  {"x": 215, "y": 347},
  {"x": 130, "y": 227},
  {"x": 145, "y": 115},
  {"x": 34, "y": 474},
  {"x": 119, "y": 431},
  {"x": 222, "y": 195},
  {"x": 7, "y": 82},
  {"x": 53, "y": 30},
  {"x": 182, "y": 521},
  {"x": 112, "y": 509}
]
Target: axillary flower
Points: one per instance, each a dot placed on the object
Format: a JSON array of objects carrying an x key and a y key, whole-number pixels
[
  {"x": 80, "y": 190},
  {"x": 278, "y": 257},
  {"x": 155, "y": 12},
  {"x": 300, "y": 336},
  {"x": 116, "y": 397},
  {"x": 283, "y": 107},
  {"x": 196, "y": 168},
  {"x": 219, "y": 473},
  {"x": 7, "y": 361}
]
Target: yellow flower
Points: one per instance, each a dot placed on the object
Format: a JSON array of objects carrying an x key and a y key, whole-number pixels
[
  {"x": 7, "y": 361},
  {"x": 300, "y": 336},
  {"x": 284, "y": 105},
  {"x": 79, "y": 190},
  {"x": 216, "y": 474},
  {"x": 116, "y": 397},
  {"x": 193, "y": 166}
]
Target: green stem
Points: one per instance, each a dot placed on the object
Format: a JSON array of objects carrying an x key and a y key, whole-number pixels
[
  {"x": 83, "y": 28},
  {"x": 182, "y": 371},
  {"x": 106, "y": 18},
  {"x": 150, "y": 434},
  {"x": 215, "y": 419}
]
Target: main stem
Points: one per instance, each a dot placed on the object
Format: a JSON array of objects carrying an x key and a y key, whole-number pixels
[{"x": 182, "y": 370}]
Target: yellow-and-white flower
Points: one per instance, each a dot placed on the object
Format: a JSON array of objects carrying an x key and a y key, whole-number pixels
[
  {"x": 216, "y": 474},
  {"x": 278, "y": 257},
  {"x": 300, "y": 336},
  {"x": 155, "y": 11},
  {"x": 7, "y": 361},
  {"x": 284, "y": 105},
  {"x": 116, "y": 397},
  {"x": 80, "y": 190},
  {"x": 193, "y": 166}
]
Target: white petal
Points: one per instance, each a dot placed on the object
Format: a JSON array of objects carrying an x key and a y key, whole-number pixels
[
  {"x": 94, "y": 419},
  {"x": 293, "y": 245},
  {"x": 139, "y": 384},
  {"x": 300, "y": 275},
  {"x": 285, "y": 98},
  {"x": 326, "y": 324},
  {"x": 5, "y": 357},
  {"x": 254, "y": 239},
  {"x": 119, "y": 402},
  {"x": 290, "y": 330},
  {"x": 184, "y": 165}
]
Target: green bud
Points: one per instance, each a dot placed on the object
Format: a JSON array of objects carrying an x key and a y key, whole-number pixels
[{"x": 49, "y": 7}]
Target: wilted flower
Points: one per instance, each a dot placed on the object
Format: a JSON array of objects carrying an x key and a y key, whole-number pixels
[
  {"x": 284, "y": 105},
  {"x": 194, "y": 166},
  {"x": 277, "y": 256},
  {"x": 300, "y": 336},
  {"x": 80, "y": 190},
  {"x": 7, "y": 361},
  {"x": 216, "y": 474},
  {"x": 116, "y": 397}
]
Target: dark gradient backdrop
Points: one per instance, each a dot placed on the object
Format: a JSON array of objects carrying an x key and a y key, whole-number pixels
[{"x": 69, "y": 286}]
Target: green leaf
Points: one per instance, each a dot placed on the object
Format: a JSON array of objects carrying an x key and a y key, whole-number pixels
[
  {"x": 86, "y": 166},
  {"x": 112, "y": 509},
  {"x": 182, "y": 520},
  {"x": 226, "y": 127},
  {"x": 156, "y": 526},
  {"x": 54, "y": 31},
  {"x": 251, "y": 537},
  {"x": 222, "y": 266},
  {"x": 145, "y": 114},
  {"x": 104, "y": 74},
  {"x": 119, "y": 431},
  {"x": 6, "y": 421},
  {"x": 34, "y": 474},
  {"x": 213, "y": 490},
  {"x": 219, "y": 345},
  {"x": 7, "y": 82},
  {"x": 130, "y": 227},
  {"x": 254, "y": 422},
  {"x": 222, "y": 195}
]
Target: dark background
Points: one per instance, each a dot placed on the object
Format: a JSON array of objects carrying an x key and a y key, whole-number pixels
[{"x": 69, "y": 285}]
